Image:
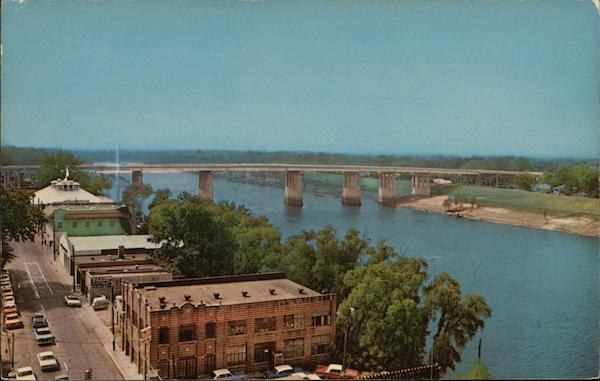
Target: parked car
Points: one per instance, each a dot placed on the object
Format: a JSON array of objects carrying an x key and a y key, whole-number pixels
[
  {"x": 306, "y": 376},
  {"x": 5, "y": 283},
  {"x": 43, "y": 336},
  {"x": 47, "y": 361},
  {"x": 100, "y": 303},
  {"x": 25, "y": 373},
  {"x": 13, "y": 321},
  {"x": 225, "y": 374},
  {"x": 10, "y": 310},
  {"x": 62, "y": 377},
  {"x": 335, "y": 371},
  {"x": 281, "y": 371},
  {"x": 38, "y": 321},
  {"x": 6, "y": 287},
  {"x": 8, "y": 293},
  {"x": 72, "y": 301},
  {"x": 8, "y": 299}
]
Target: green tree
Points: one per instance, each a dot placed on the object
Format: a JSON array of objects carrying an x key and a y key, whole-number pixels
[
  {"x": 19, "y": 219},
  {"x": 194, "y": 243},
  {"x": 160, "y": 195},
  {"x": 320, "y": 260},
  {"x": 479, "y": 371},
  {"x": 457, "y": 318},
  {"x": 54, "y": 165},
  {"x": 134, "y": 196},
  {"x": 525, "y": 182},
  {"x": 388, "y": 325}
]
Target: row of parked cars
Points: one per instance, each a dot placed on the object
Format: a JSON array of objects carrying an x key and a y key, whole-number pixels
[
  {"x": 287, "y": 372},
  {"x": 41, "y": 332}
]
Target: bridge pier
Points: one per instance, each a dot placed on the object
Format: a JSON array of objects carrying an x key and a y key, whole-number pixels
[
  {"x": 386, "y": 194},
  {"x": 420, "y": 184},
  {"x": 205, "y": 185},
  {"x": 137, "y": 177},
  {"x": 351, "y": 189},
  {"x": 293, "y": 188}
]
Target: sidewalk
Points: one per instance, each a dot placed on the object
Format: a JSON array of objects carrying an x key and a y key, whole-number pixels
[{"x": 127, "y": 369}]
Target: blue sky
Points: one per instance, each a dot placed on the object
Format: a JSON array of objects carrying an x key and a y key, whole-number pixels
[{"x": 402, "y": 77}]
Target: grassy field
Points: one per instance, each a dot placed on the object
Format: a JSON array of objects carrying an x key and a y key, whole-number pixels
[{"x": 531, "y": 201}]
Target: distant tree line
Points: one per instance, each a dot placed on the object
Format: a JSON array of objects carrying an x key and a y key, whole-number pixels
[{"x": 18, "y": 155}]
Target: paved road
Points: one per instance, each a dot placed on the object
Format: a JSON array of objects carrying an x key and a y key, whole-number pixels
[{"x": 40, "y": 286}]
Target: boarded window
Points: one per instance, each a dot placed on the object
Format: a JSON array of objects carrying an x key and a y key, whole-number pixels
[
  {"x": 265, "y": 324},
  {"x": 293, "y": 348},
  {"x": 187, "y": 333},
  {"x": 293, "y": 321},
  {"x": 74, "y": 224},
  {"x": 320, "y": 345},
  {"x": 163, "y": 335},
  {"x": 236, "y": 327},
  {"x": 99, "y": 224},
  {"x": 210, "y": 330},
  {"x": 236, "y": 355},
  {"x": 112, "y": 223},
  {"x": 87, "y": 224}
]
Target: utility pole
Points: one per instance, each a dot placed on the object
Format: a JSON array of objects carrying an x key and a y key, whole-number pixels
[
  {"x": 54, "y": 235},
  {"x": 479, "y": 351},
  {"x": 112, "y": 312},
  {"x": 12, "y": 352}
]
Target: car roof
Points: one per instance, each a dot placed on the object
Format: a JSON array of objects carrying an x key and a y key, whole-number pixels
[
  {"x": 282, "y": 368},
  {"x": 219, "y": 372},
  {"x": 47, "y": 353},
  {"x": 335, "y": 367}
]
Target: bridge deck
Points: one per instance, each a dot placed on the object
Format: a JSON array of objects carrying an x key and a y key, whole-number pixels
[{"x": 276, "y": 167}]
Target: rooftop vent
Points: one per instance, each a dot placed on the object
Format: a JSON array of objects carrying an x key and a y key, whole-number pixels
[
  {"x": 272, "y": 291},
  {"x": 217, "y": 295},
  {"x": 301, "y": 290},
  {"x": 245, "y": 294},
  {"x": 92, "y": 258},
  {"x": 187, "y": 297},
  {"x": 150, "y": 288},
  {"x": 162, "y": 302}
]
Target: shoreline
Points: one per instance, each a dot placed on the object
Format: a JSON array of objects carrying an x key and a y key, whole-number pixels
[
  {"x": 585, "y": 225},
  {"x": 581, "y": 225}
]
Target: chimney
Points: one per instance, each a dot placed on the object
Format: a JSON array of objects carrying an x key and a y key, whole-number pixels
[
  {"x": 162, "y": 301},
  {"x": 121, "y": 252},
  {"x": 245, "y": 294},
  {"x": 187, "y": 297},
  {"x": 272, "y": 291},
  {"x": 216, "y": 295}
]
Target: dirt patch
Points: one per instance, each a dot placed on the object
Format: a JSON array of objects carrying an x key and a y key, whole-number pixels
[{"x": 582, "y": 225}]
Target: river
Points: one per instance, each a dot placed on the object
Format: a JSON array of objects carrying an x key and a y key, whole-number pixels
[{"x": 542, "y": 285}]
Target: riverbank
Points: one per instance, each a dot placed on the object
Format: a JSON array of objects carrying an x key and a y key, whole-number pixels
[{"x": 587, "y": 225}]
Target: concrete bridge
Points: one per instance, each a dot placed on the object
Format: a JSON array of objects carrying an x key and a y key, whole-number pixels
[{"x": 351, "y": 193}]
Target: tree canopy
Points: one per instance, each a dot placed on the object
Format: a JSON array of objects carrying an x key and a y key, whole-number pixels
[
  {"x": 54, "y": 165},
  {"x": 20, "y": 220}
]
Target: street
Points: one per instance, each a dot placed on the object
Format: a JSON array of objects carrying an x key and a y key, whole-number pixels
[{"x": 40, "y": 287}]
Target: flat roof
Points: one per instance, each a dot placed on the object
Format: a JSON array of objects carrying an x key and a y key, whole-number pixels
[
  {"x": 119, "y": 272},
  {"x": 229, "y": 288},
  {"x": 107, "y": 242},
  {"x": 50, "y": 195},
  {"x": 111, "y": 259}
]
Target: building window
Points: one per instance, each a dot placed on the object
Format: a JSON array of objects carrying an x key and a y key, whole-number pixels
[
  {"x": 163, "y": 369},
  {"x": 320, "y": 345},
  {"x": 263, "y": 351},
  {"x": 293, "y": 321},
  {"x": 265, "y": 324},
  {"x": 187, "y": 333},
  {"x": 236, "y": 327},
  {"x": 99, "y": 224},
  {"x": 59, "y": 225},
  {"x": 321, "y": 318},
  {"x": 293, "y": 348},
  {"x": 74, "y": 224},
  {"x": 186, "y": 368},
  {"x": 112, "y": 223},
  {"x": 210, "y": 330},
  {"x": 236, "y": 355},
  {"x": 87, "y": 224},
  {"x": 163, "y": 335},
  {"x": 134, "y": 318}
]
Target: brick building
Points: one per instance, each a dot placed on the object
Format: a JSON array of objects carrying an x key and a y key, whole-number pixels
[{"x": 190, "y": 327}]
